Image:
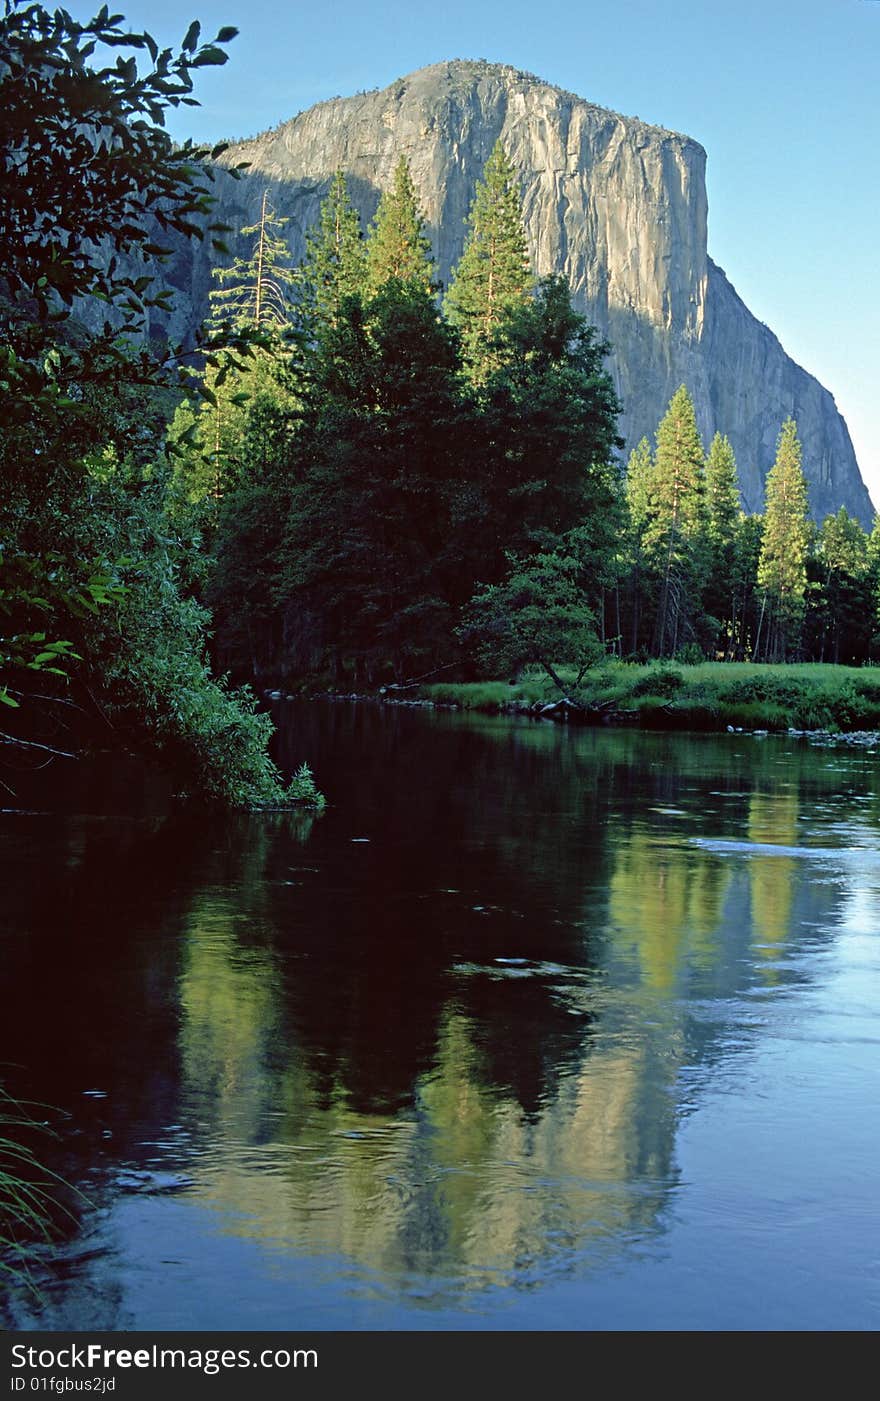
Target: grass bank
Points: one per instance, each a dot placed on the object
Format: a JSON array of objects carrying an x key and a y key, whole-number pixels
[{"x": 709, "y": 696}]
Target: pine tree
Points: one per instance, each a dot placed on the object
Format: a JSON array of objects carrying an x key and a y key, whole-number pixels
[
  {"x": 722, "y": 523},
  {"x": 782, "y": 567},
  {"x": 844, "y": 593},
  {"x": 255, "y": 291},
  {"x": 873, "y": 581},
  {"x": 746, "y": 595},
  {"x": 543, "y": 454},
  {"x": 219, "y": 445},
  {"x": 494, "y": 274},
  {"x": 210, "y": 436},
  {"x": 675, "y": 534},
  {"x": 368, "y": 538},
  {"x": 639, "y": 471},
  {"x": 335, "y": 265},
  {"x": 397, "y": 249}
]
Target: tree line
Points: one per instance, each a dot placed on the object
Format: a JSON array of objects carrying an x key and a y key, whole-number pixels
[
  {"x": 408, "y": 481},
  {"x": 701, "y": 578}
]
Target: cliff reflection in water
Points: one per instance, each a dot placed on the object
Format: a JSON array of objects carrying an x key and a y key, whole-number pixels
[
  {"x": 464, "y": 1179},
  {"x": 449, "y": 1030},
  {"x": 429, "y": 1085}
]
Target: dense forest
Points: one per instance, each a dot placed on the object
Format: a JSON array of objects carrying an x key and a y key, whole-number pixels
[
  {"x": 356, "y": 478},
  {"x": 407, "y": 481}
]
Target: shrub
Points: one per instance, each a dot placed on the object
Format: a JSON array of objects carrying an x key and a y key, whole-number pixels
[{"x": 658, "y": 681}]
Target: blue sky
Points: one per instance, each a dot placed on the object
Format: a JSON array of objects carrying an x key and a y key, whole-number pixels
[{"x": 783, "y": 94}]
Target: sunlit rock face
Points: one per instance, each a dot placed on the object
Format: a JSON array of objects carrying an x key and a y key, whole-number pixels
[{"x": 617, "y": 206}]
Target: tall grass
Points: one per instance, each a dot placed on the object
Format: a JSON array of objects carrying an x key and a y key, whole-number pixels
[
  {"x": 709, "y": 695},
  {"x": 30, "y": 1193}
]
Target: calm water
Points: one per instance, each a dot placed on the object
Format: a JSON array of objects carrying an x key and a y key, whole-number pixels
[{"x": 531, "y": 1029}]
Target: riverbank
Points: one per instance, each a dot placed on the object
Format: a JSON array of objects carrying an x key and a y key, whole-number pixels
[{"x": 806, "y": 697}]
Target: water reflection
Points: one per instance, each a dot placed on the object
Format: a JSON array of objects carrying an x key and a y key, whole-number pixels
[
  {"x": 447, "y": 1033},
  {"x": 773, "y": 820}
]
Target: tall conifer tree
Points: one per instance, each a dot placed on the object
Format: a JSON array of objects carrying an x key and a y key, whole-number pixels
[
  {"x": 494, "y": 275},
  {"x": 675, "y": 534},
  {"x": 722, "y": 527},
  {"x": 637, "y": 486},
  {"x": 874, "y": 586},
  {"x": 397, "y": 248},
  {"x": 254, "y": 294},
  {"x": 782, "y": 567},
  {"x": 845, "y": 596},
  {"x": 255, "y": 291},
  {"x": 335, "y": 265},
  {"x": 747, "y": 601}
]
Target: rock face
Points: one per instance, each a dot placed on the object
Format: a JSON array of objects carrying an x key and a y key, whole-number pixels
[{"x": 617, "y": 206}]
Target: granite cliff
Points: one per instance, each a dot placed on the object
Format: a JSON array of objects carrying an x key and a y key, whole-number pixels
[{"x": 616, "y": 205}]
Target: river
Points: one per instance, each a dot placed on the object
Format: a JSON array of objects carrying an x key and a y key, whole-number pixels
[{"x": 531, "y": 1028}]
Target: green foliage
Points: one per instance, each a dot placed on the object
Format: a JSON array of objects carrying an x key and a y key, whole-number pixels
[
  {"x": 722, "y": 491},
  {"x": 782, "y": 567},
  {"x": 90, "y": 576},
  {"x": 222, "y": 435},
  {"x": 661, "y": 681},
  {"x": 537, "y": 615},
  {"x": 302, "y": 788},
  {"x": 391, "y": 488},
  {"x": 712, "y": 695},
  {"x": 364, "y": 572},
  {"x": 67, "y": 589},
  {"x": 744, "y": 579},
  {"x": 490, "y": 697},
  {"x": 149, "y": 665},
  {"x": 723, "y": 514},
  {"x": 636, "y": 562},
  {"x": 494, "y": 274},
  {"x": 839, "y": 620},
  {"x": 72, "y": 230},
  {"x": 805, "y": 696},
  {"x": 335, "y": 266},
  {"x": 674, "y": 535},
  {"x": 546, "y": 432},
  {"x": 639, "y": 470},
  {"x": 219, "y": 446},
  {"x": 397, "y": 249}
]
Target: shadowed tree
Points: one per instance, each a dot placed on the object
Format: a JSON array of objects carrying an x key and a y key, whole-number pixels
[
  {"x": 844, "y": 623},
  {"x": 335, "y": 265},
  {"x": 537, "y": 616},
  {"x": 213, "y": 435},
  {"x": 637, "y": 485},
  {"x": 368, "y": 541},
  {"x": 84, "y": 159},
  {"x": 546, "y": 432},
  {"x": 746, "y": 594}
]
